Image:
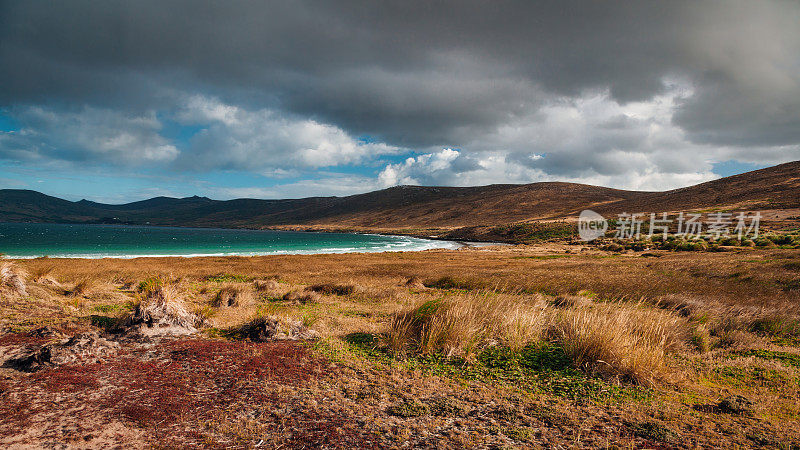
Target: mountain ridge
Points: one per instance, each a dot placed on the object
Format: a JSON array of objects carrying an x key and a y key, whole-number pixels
[{"x": 776, "y": 187}]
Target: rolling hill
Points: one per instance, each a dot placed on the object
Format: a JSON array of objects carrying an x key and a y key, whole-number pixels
[{"x": 774, "y": 188}]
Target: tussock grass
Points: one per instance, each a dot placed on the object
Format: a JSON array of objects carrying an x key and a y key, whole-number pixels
[
  {"x": 266, "y": 286},
  {"x": 161, "y": 310},
  {"x": 464, "y": 324},
  {"x": 43, "y": 274},
  {"x": 448, "y": 282},
  {"x": 271, "y": 328},
  {"x": 415, "y": 282},
  {"x": 621, "y": 340},
  {"x": 82, "y": 287},
  {"x": 626, "y": 341},
  {"x": 232, "y": 296},
  {"x": 777, "y": 325},
  {"x": 152, "y": 286}
]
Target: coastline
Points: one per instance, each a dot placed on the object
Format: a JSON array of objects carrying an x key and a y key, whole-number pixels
[{"x": 222, "y": 245}]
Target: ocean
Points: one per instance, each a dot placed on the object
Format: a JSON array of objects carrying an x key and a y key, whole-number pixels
[{"x": 31, "y": 240}]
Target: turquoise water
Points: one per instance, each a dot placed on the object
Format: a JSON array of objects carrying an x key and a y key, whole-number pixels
[{"x": 29, "y": 240}]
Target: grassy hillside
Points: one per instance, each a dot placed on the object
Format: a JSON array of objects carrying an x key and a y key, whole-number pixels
[{"x": 420, "y": 206}]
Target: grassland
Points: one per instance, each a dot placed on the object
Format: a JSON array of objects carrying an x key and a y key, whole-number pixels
[{"x": 525, "y": 346}]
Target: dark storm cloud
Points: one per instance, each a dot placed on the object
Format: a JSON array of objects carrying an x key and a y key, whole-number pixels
[{"x": 421, "y": 74}]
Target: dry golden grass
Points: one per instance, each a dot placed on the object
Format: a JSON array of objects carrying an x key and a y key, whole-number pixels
[
  {"x": 82, "y": 287},
  {"x": 302, "y": 296},
  {"x": 685, "y": 323},
  {"x": 626, "y": 341},
  {"x": 464, "y": 324},
  {"x": 750, "y": 278},
  {"x": 12, "y": 280},
  {"x": 708, "y": 301},
  {"x": 233, "y": 295}
]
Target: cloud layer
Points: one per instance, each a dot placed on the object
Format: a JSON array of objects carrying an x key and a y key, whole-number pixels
[{"x": 645, "y": 95}]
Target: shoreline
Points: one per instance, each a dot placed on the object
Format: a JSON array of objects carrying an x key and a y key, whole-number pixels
[
  {"x": 446, "y": 244},
  {"x": 399, "y": 243}
]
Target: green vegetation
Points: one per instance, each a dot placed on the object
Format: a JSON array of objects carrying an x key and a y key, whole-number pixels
[
  {"x": 777, "y": 326},
  {"x": 151, "y": 285},
  {"x": 228, "y": 278},
  {"x": 536, "y": 368},
  {"x": 792, "y": 359},
  {"x": 536, "y": 231}
]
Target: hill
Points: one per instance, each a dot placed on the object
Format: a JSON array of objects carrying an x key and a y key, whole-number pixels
[{"x": 774, "y": 188}]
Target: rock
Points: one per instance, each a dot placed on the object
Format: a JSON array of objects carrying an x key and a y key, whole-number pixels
[
  {"x": 735, "y": 404},
  {"x": 86, "y": 347},
  {"x": 28, "y": 358},
  {"x": 46, "y": 332},
  {"x": 264, "y": 329}
]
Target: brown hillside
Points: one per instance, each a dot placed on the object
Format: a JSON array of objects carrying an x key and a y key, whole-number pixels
[
  {"x": 766, "y": 189},
  {"x": 774, "y": 188}
]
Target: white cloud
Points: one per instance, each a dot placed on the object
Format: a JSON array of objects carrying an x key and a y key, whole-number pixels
[
  {"x": 439, "y": 169},
  {"x": 589, "y": 139},
  {"x": 89, "y": 134},
  {"x": 266, "y": 141},
  {"x": 325, "y": 186}
]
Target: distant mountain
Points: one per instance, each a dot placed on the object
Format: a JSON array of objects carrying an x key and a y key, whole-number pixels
[{"x": 418, "y": 206}]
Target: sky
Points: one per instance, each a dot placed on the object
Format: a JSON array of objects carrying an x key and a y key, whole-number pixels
[{"x": 119, "y": 101}]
